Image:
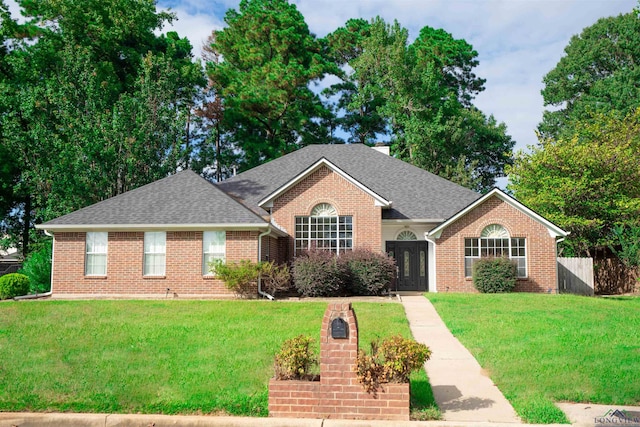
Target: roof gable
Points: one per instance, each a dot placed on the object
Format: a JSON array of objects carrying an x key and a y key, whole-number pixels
[
  {"x": 554, "y": 230},
  {"x": 183, "y": 200},
  {"x": 323, "y": 162},
  {"x": 416, "y": 194}
]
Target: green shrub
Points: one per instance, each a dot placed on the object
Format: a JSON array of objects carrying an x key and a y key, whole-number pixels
[
  {"x": 13, "y": 285},
  {"x": 402, "y": 357},
  {"x": 295, "y": 359},
  {"x": 392, "y": 361},
  {"x": 275, "y": 278},
  {"x": 370, "y": 273},
  {"x": 494, "y": 275},
  {"x": 318, "y": 273},
  {"x": 321, "y": 273},
  {"x": 37, "y": 266},
  {"x": 241, "y": 277},
  {"x": 370, "y": 370}
]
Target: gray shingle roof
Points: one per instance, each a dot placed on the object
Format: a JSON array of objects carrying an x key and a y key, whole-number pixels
[
  {"x": 415, "y": 193},
  {"x": 182, "y": 199}
]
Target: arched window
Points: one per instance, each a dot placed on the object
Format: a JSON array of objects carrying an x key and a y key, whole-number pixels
[
  {"x": 494, "y": 231},
  {"x": 406, "y": 235},
  {"x": 324, "y": 209},
  {"x": 494, "y": 241},
  {"x": 324, "y": 229}
]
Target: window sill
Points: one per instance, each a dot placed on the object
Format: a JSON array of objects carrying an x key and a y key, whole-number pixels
[
  {"x": 154, "y": 277},
  {"x": 209, "y": 277},
  {"x": 101, "y": 277}
]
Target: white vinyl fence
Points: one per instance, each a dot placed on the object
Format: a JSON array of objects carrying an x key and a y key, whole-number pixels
[{"x": 575, "y": 276}]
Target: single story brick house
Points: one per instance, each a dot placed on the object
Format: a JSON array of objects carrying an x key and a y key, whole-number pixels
[{"x": 159, "y": 238}]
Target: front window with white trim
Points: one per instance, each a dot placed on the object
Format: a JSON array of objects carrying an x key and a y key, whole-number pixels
[
  {"x": 95, "y": 262},
  {"x": 324, "y": 229},
  {"x": 213, "y": 248},
  {"x": 494, "y": 241},
  {"x": 155, "y": 247}
]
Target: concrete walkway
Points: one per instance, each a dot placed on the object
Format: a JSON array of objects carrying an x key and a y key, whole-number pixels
[{"x": 460, "y": 387}]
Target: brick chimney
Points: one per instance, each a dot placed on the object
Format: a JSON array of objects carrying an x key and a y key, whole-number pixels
[{"x": 381, "y": 147}]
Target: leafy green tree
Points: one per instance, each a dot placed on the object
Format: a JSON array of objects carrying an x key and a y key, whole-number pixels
[
  {"x": 586, "y": 184},
  {"x": 421, "y": 94},
  {"x": 269, "y": 58},
  {"x": 37, "y": 267},
  {"x": 439, "y": 126},
  {"x": 8, "y": 168},
  {"x": 94, "y": 103},
  {"x": 362, "y": 118},
  {"x": 598, "y": 73},
  {"x": 626, "y": 244}
]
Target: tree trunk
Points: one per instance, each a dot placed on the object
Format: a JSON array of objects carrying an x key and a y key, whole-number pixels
[{"x": 26, "y": 226}]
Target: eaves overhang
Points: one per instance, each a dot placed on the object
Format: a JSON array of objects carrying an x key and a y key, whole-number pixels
[{"x": 154, "y": 227}]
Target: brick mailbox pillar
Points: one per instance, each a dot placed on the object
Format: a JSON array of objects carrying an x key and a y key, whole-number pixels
[
  {"x": 338, "y": 345},
  {"x": 338, "y": 394}
]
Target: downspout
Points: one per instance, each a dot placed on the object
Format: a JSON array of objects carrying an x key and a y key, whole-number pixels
[
  {"x": 435, "y": 266},
  {"x": 46, "y": 294},
  {"x": 557, "y": 269},
  {"x": 260, "y": 291}
]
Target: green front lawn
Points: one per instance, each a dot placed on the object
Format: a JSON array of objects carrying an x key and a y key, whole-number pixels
[
  {"x": 159, "y": 356},
  {"x": 544, "y": 348}
]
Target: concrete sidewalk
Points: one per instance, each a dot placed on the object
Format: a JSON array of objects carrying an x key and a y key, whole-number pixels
[
  {"x": 589, "y": 414},
  {"x": 460, "y": 387},
  {"x": 19, "y": 419}
]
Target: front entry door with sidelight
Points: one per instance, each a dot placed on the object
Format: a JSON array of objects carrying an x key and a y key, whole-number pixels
[{"x": 411, "y": 259}]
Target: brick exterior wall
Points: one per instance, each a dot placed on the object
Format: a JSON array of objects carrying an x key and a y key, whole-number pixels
[
  {"x": 125, "y": 269},
  {"x": 540, "y": 248},
  {"x": 326, "y": 186},
  {"x": 273, "y": 249},
  {"x": 184, "y": 248},
  {"x": 338, "y": 394}
]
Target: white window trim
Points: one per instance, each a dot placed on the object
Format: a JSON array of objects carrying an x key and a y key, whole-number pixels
[
  {"x": 215, "y": 255},
  {"x": 509, "y": 248},
  {"x": 322, "y": 210},
  {"x": 88, "y": 254},
  {"x": 145, "y": 253}
]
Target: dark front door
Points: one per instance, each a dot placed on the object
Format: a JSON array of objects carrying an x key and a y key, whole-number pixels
[{"x": 411, "y": 259}]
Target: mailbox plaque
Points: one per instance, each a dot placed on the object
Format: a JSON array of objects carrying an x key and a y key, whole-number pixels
[{"x": 339, "y": 329}]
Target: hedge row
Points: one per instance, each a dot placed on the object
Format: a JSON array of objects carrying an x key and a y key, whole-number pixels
[{"x": 359, "y": 272}]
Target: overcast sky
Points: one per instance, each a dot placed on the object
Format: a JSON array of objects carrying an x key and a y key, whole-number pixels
[{"x": 518, "y": 41}]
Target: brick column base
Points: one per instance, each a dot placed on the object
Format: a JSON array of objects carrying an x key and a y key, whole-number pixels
[{"x": 338, "y": 394}]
